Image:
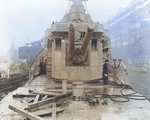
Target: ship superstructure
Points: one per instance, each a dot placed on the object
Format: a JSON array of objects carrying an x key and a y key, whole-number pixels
[{"x": 58, "y": 34}]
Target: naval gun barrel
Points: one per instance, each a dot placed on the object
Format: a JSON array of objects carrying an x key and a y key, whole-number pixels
[
  {"x": 87, "y": 36},
  {"x": 71, "y": 37},
  {"x": 78, "y": 56}
]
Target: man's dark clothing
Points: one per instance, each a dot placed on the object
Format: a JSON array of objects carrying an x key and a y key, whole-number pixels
[
  {"x": 105, "y": 73},
  {"x": 41, "y": 68},
  {"x": 44, "y": 68}
]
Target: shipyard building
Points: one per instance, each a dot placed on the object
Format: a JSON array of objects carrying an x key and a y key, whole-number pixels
[{"x": 129, "y": 33}]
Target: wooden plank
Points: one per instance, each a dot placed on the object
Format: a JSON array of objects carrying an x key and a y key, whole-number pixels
[
  {"x": 57, "y": 91},
  {"x": 48, "y": 101},
  {"x": 36, "y": 99},
  {"x": 46, "y": 111},
  {"x": 54, "y": 111},
  {"x": 93, "y": 87},
  {"x": 64, "y": 86},
  {"x": 61, "y": 101},
  {"x": 25, "y": 113},
  {"x": 23, "y": 95},
  {"x": 58, "y": 86},
  {"x": 44, "y": 97},
  {"x": 46, "y": 106},
  {"x": 44, "y": 93}
]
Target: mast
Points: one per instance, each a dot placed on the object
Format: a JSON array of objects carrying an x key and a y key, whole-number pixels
[{"x": 77, "y": 1}]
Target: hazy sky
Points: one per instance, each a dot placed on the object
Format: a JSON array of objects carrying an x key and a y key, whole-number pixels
[{"x": 30, "y": 18}]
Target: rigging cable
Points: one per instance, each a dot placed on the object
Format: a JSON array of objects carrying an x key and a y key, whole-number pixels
[
  {"x": 126, "y": 97},
  {"x": 37, "y": 55},
  {"x": 86, "y": 7},
  {"x": 68, "y": 6}
]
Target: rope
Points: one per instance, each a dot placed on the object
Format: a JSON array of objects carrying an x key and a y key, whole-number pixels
[{"x": 125, "y": 97}]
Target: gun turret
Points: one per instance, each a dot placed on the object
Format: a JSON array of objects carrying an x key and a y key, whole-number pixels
[
  {"x": 78, "y": 56},
  {"x": 77, "y": 53}
]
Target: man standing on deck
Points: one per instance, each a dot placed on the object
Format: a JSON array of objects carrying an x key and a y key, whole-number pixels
[
  {"x": 115, "y": 71},
  {"x": 41, "y": 66},
  {"x": 105, "y": 72},
  {"x": 44, "y": 67},
  {"x": 122, "y": 72}
]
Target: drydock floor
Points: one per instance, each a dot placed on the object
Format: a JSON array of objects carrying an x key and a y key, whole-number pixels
[{"x": 106, "y": 109}]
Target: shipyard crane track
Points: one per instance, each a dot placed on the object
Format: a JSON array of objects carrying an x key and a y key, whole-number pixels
[
  {"x": 4, "y": 80},
  {"x": 13, "y": 82}
]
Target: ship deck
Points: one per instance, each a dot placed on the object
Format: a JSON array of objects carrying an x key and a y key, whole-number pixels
[{"x": 115, "y": 103}]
